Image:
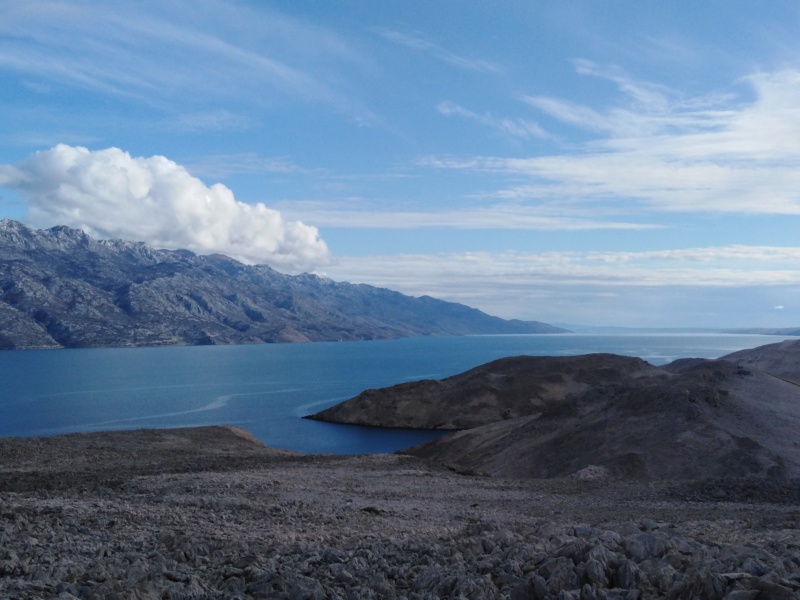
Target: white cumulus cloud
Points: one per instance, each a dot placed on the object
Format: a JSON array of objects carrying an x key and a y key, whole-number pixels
[{"x": 109, "y": 194}]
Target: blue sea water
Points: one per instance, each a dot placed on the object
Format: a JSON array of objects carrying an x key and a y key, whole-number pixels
[{"x": 268, "y": 388}]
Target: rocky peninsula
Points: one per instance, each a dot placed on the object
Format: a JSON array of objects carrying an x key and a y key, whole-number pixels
[{"x": 545, "y": 416}]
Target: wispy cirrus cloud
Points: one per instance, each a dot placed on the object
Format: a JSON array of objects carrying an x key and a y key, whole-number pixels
[
  {"x": 738, "y": 254},
  {"x": 511, "y": 216},
  {"x": 716, "y": 154},
  {"x": 214, "y": 120},
  {"x": 223, "y": 165},
  {"x": 518, "y": 128},
  {"x": 420, "y": 43},
  {"x": 159, "y": 56},
  {"x": 696, "y": 267}
]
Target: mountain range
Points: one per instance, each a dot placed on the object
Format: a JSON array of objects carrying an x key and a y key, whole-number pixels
[{"x": 61, "y": 288}]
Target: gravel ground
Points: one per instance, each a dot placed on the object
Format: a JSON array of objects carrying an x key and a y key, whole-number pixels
[{"x": 210, "y": 513}]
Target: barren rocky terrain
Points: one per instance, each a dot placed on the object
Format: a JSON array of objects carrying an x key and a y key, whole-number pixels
[{"x": 212, "y": 513}]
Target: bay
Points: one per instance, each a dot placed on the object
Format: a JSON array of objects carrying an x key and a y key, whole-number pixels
[{"x": 268, "y": 388}]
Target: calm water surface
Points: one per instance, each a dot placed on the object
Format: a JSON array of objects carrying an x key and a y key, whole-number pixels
[{"x": 267, "y": 388}]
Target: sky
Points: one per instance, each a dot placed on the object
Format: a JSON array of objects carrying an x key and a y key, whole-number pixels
[{"x": 616, "y": 163}]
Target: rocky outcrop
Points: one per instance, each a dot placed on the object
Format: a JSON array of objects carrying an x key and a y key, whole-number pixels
[{"x": 61, "y": 288}]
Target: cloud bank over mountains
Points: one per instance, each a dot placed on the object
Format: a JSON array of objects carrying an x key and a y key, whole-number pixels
[{"x": 110, "y": 194}]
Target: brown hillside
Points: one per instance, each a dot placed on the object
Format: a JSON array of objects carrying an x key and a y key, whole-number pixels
[
  {"x": 715, "y": 419},
  {"x": 503, "y": 389}
]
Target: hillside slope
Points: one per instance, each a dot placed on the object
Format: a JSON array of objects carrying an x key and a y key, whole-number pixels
[
  {"x": 781, "y": 359},
  {"x": 715, "y": 419},
  {"x": 542, "y": 417},
  {"x": 59, "y": 287},
  {"x": 502, "y": 389}
]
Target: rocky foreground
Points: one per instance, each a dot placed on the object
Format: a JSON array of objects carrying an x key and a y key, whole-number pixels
[{"x": 212, "y": 513}]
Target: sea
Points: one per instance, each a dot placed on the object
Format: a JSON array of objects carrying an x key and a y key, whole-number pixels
[{"x": 267, "y": 389}]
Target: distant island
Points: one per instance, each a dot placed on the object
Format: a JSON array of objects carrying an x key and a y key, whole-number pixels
[
  {"x": 769, "y": 331},
  {"x": 616, "y": 330},
  {"x": 61, "y": 288}
]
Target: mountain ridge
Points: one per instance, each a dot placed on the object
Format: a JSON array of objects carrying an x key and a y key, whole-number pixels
[{"x": 59, "y": 287}]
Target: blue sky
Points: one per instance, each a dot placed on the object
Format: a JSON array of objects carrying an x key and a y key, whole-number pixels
[{"x": 604, "y": 163}]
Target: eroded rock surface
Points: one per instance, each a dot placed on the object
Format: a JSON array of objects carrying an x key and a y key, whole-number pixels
[{"x": 207, "y": 513}]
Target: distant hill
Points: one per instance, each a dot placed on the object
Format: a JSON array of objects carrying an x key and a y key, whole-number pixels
[
  {"x": 769, "y": 331},
  {"x": 61, "y": 288},
  {"x": 544, "y": 417}
]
